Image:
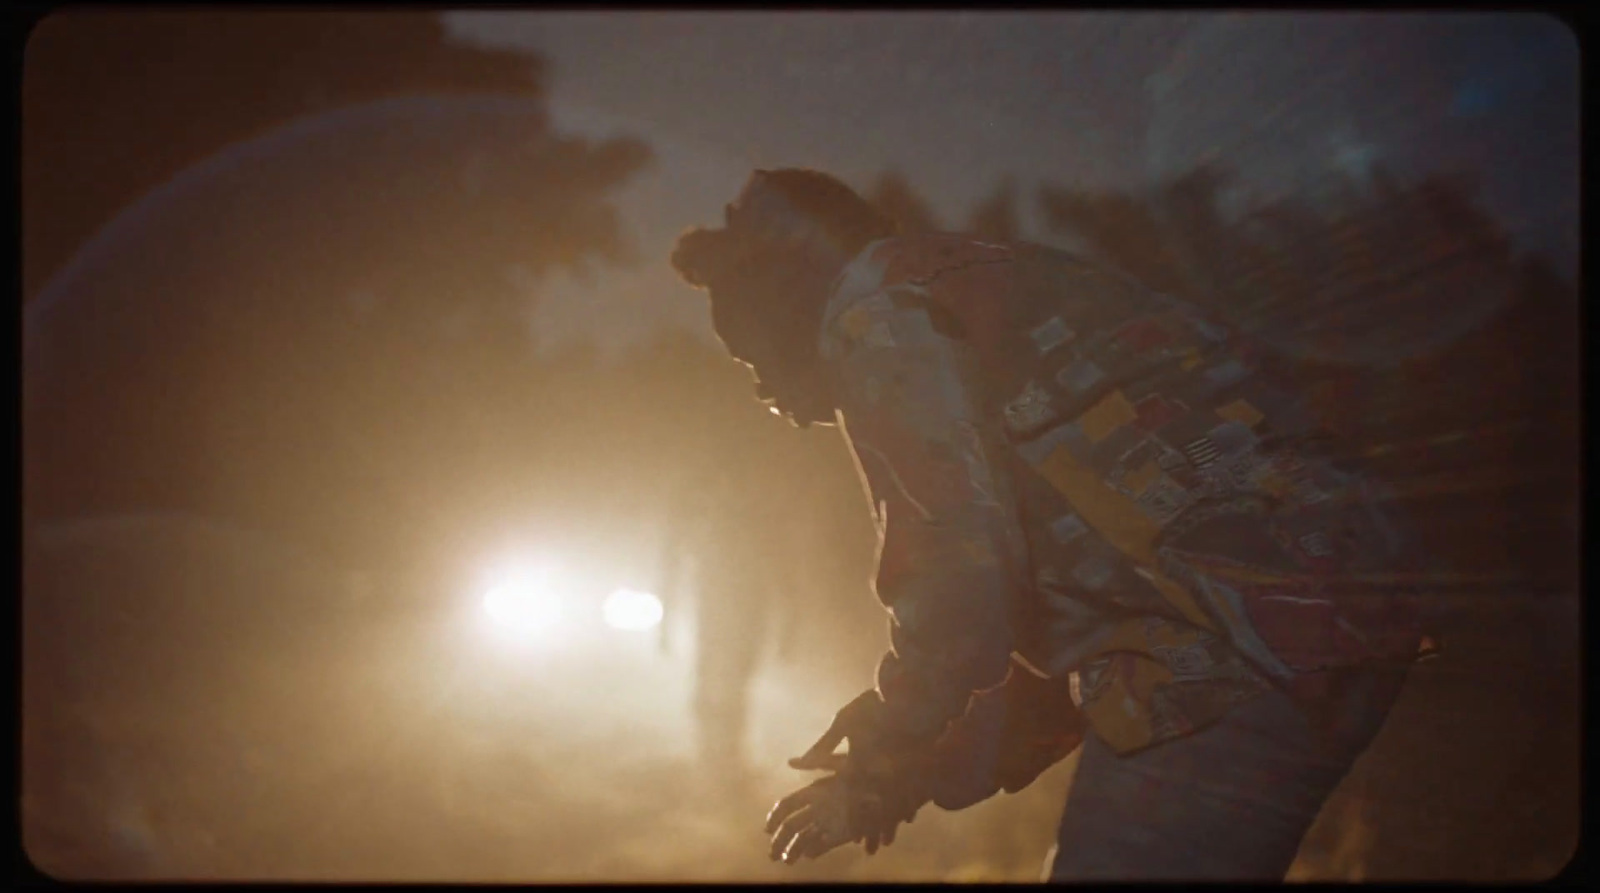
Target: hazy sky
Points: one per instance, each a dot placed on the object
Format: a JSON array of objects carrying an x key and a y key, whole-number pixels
[{"x": 958, "y": 100}]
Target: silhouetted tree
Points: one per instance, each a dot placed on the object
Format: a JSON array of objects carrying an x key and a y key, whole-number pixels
[
  {"x": 995, "y": 218},
  {"x": 893, "y": 194},
  {"x": 117, "y": 101},
  {"x": 345, "y": 339},
  {"x": 1119, "y": 229},
  {"x": 1364, "y": 271}
]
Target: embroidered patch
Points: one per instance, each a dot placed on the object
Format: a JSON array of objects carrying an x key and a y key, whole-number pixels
[
  {"x": 854, "y": 322},
  {"x": 1094, "y": 571},
  {"x": 1153, "y": 412},
  {"x": 1163, "y": 501},
  {"x": 1306, "y": 492},
  {"x": 1232, "y": 438},
  {"x": 1030, "y": 409},
  {"x": 1169, "y": 459},
  {"x": 1191, "y": 661},
  {"x": 1112, "y": 412},
  {"x": 878, "y": 335},
  {"x": 1067, "y": 528},
  {"x": 1243, "y": 470},
  {"x": 1242, "y": 412},
  {"x": 1094, "y": 677},
  {"x": 1273, "y": 483},
  {"x": 1139, "y": 480},
  {"x": 1316, "y": 545},
  {"x": 1080, "y": 376},
  {"x": 1202, "y": 452},
  {"x": 1051, "y": 334},
  {"x": 1226, "y": 373}
]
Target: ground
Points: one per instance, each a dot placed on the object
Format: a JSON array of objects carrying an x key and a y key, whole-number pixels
[{"x": 199, "y": 706}]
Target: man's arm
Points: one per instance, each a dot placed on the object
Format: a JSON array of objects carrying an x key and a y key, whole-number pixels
[
  {"x": 1007, "y": 738},
  {"x": 952, "y": 552}
]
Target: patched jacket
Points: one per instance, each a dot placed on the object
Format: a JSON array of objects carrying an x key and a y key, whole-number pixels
[{"x": 1095, "y": 479}]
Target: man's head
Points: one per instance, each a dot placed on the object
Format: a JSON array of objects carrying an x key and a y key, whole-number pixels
[{"x": 768, "y": 271}]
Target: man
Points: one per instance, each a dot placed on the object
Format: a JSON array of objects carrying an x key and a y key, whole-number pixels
[{"x": 1104, "y": 520}]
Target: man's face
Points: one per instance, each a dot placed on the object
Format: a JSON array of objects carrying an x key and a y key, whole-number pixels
[
  {"x": 750, "y": 268},
  {"x": 761, "y": 271}
]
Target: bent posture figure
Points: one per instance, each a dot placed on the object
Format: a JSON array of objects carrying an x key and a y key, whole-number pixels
[{"x": 1105, "y": 520}]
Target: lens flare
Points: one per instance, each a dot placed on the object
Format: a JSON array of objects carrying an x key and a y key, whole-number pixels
[
  {"x": 631, "y": 609},
  {"x": 522, "y": 608}
]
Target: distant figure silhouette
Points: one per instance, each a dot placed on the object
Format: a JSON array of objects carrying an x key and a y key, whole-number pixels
[{"x": 735, "y": 534}]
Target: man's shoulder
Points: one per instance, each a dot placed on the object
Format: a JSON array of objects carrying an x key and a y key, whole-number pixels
[
  {"x": 912, "y": 260},
  {"x": 919, "y": 258}
]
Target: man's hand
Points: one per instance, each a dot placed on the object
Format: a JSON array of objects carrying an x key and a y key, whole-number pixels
[
  {"x": 834, "y": 811},
  {"x": 855, "y": 725},
  {"x": 867, "y": 795}
]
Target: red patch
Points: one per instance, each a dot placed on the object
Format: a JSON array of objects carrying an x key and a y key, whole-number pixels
[{"x": 1153, "y": 412}]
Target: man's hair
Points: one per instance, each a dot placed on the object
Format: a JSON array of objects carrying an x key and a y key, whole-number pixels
[{"x": 850, "y": 220}]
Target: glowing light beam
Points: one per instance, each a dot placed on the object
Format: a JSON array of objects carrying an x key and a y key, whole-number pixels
[{"x": 632, "y": 609}]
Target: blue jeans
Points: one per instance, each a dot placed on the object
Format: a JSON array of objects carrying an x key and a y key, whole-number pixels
[{"x": 1230, "y": 802}]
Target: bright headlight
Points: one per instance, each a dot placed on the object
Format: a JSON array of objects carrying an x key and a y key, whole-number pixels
[
  {"x": 522, "y": 608},
  {"x": 632, "y": 609}
]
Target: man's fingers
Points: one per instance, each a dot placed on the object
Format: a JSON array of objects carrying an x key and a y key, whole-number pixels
[
  {"x": 791, "y": 828},
  {"x": 814, "y": 757},
  {"x": 789, "y": 806},
  {"x": 808, "y": 844},
  {"x": 830, "y": 762}
]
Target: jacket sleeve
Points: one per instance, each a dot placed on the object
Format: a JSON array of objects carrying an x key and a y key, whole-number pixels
[
  {"x": 950, "y": 548},
  {"x": 1008, "y": 737}
]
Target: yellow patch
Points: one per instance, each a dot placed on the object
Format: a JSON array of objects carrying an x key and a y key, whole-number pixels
[
  {"x": 1121, "y": 714},
  {"x": 1114, "y": 516},
  {"x": 1122, "y": 523},
  {"x": 1140, "y": 479},
  {"x": 1191, "y": 359},
  {"x": 855, "y": 322},
  {"x": 1112, "y": 412},
  {"x": 1240, "y": 411},
  {"x": 1275, "y": 485}
]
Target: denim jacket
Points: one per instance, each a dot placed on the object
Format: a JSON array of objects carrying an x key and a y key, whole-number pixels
[{"x": 1074, "y": 473}]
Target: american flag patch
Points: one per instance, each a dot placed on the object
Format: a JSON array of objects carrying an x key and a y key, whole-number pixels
[
  {"x": 1167, "y": 460},
  {"x": 1202, "y": 452}
]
